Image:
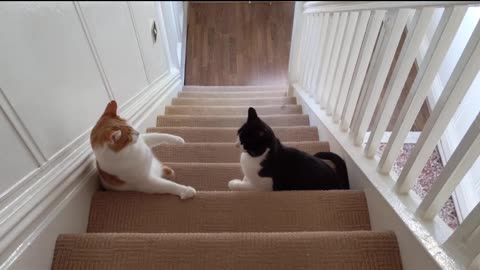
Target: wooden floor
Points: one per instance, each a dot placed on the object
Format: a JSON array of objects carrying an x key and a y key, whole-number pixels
[{"x": 238, "y": 43}]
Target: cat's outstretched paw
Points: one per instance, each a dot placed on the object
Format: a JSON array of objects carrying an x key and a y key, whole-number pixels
[
  {"x": 187, "y": 192},
  {"x": 235, "y": 184},
  {"x": 179, "y": 140}
]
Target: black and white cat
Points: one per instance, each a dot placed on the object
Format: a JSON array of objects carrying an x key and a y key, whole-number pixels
[{"x": 268, "y": 165}]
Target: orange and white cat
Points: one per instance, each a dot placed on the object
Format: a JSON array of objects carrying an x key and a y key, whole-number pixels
[{"x": 125, "y": 160}]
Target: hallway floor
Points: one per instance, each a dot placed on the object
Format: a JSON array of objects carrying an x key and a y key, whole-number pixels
[{"x": 238, "y": 43}]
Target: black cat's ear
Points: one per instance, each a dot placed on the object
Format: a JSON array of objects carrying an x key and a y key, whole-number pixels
[{"x": 252, "y": 114}]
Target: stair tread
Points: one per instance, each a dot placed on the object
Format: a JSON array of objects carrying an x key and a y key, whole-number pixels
[
  {"x": 234, "y": 102},
  {"x": 245, "y": 94},
  {"x": 231, "y": 110},
  {"x": 213, "y": 134},
  {"x": 229, "y": 121},
  {"x": 220, "y": 152},
  {"x": 226, "y": 211},
  {"x": 299, "y": 250}
]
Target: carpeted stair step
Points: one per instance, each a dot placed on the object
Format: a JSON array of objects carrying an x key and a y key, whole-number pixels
[
  {"x": 229, "y": 121},
  {"x": 231, "y": 110},
  {"x": 203, "y": 134},
  {"x": 229, "y": 212},
  {"x": 215, "y": 251},
  {"x": 235, "y": 102},
  {"x": 219, "y": 152},
  {"x": 226, "y": 89},
  {"x": 206, "y": 176},
  {"x": 262, "y": 94}
]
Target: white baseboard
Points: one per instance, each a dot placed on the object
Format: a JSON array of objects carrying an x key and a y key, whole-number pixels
[
  {"x": 55, "y": 198},
  {"x": 419, "y": 241}
]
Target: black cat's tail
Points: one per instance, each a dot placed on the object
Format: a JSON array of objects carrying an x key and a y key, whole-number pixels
[{"x": 340, "y": 166}]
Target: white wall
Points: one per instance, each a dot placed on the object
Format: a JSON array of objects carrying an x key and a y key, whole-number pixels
[{"x": 61, "y": 62}]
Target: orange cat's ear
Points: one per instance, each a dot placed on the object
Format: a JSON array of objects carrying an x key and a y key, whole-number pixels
[
  {"x": 114, "y": 136},
  {"x": 111, "y": 109}
]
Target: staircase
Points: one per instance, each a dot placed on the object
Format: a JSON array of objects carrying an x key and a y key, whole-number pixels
[{"x": 219, "y": 229}]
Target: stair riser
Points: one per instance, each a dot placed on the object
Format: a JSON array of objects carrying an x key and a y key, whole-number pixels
[
  {"x": 234, "y": 95},
  {"x": 294, "y": 134},
  {"x": 234, "y": 102},
  {"x": 229, "y": 212},
  {"x": 235, "y": 122},
  {"x": 219, "y": 153},
  {"x": 231, "y": 110},
  {"x": 206, "y": 176}
]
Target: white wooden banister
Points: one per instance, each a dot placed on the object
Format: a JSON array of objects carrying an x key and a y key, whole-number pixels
[
  {"x": 443, "y": 37},
  {"x": 345, "y": 49},
  {"x": 352, "y": 61},
  {"x": 394, "y": 30},
  {"x": 361, "y": 69},
  {"x": 332, "y": 31},
  {"x": 340, "y": 66},
  {"x": 457, "y": 166},
  {"x": 337, "y": 6},
  {"x": 319, "y": 53},
  {"x": 326, "y": 28},
  {"x": 315, "y": 52},
  {"x": 399, "y": 76},
  {"x": 457, "y": 86},
  {"x": 313, "y": 47},
  {"x": 308, "y": 47},
  {"x": 334, "y": 58}
]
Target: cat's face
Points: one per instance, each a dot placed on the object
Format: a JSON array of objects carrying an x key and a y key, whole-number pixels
[
  {"x": 254, "y": 137},
  {"x": 113, "y": 131}
]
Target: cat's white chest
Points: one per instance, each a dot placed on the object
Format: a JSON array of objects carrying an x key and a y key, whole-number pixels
[{"x": 251, "y": 167}]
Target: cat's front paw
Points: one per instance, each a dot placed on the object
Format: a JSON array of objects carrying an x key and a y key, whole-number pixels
[
  {"x": 187, "y": 192},
  {"x": 178, "y": 140},
  {"x": 235, "y": 184}
]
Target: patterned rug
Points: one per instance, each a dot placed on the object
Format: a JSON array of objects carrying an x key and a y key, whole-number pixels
[{"x": 430, "y": 173}]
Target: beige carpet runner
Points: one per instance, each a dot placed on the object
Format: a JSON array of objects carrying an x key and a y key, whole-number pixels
[{"x": 220, "y": 229}]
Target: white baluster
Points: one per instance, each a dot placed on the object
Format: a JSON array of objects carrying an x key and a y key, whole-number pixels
[
  {"x": 313, "y": 34},
  {"x": 345, "y": 52},
  {"x": 407, "y": 57},
  {"x": 334, "y": 59},
  {"x": 332, "y": 32},
  {"x": 315, "y": 52},
  {"x": 301, "y": 47},
  {"x": 373, "y": 29},
  {"x": 295, "y": 43},
  {"x": 446, "y": 30},
  {"x": 326, "y": 25},
  {"x": 375, "y": 86},
  {"x": 457, "y": 86},
  {"x": 308, "y": 49},
  {"x": 352, "y": 61},
  {"x": 456, "y": 168},
  {"x": 368, "y": 78}
]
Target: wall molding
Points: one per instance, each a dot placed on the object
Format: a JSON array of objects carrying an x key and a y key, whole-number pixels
[
  {"x": 93, "y": 49},
  {"x": 21, "y": 130},
  {"x": 135, "y": 29},
  {"x": 25, "y": 206}
]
